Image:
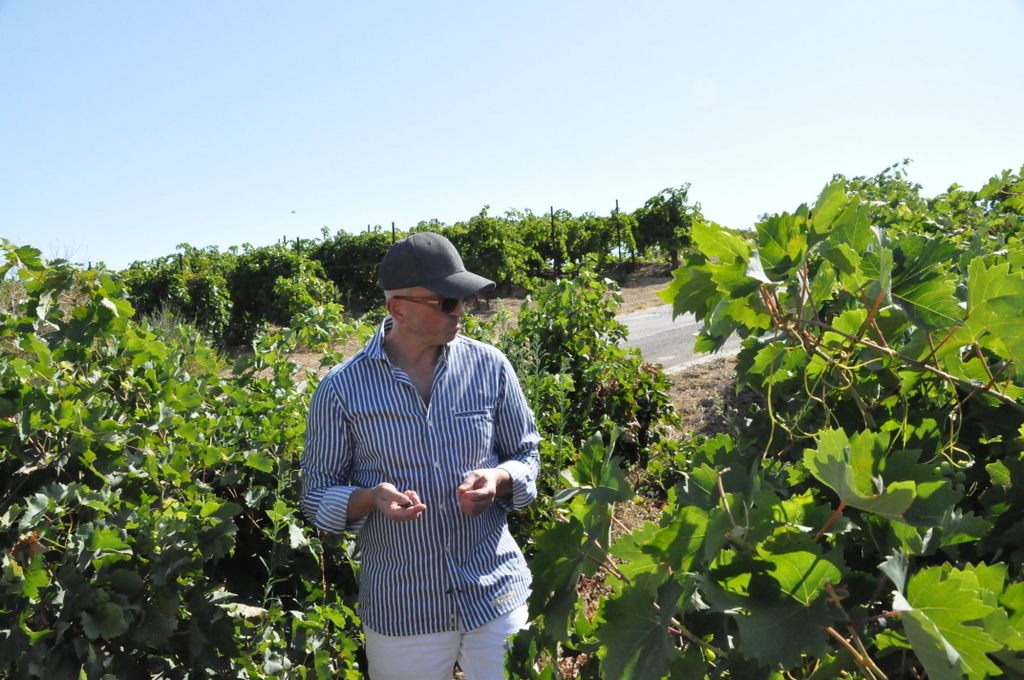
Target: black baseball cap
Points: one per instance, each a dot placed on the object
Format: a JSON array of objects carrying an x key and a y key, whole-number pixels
[{"x": 429, "y": 260}]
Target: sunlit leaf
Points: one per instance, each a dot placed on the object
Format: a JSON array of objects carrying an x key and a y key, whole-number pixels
[
  {"x": 938, "y": 606},
  {"x": 847, "y": 467}
]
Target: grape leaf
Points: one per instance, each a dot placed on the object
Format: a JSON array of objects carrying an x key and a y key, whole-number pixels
[
  {"x": 782, "y": 244},
  {"x": 105, "y": 621},
  {"x": 773, "y": 631},
  {"x": 631, "y": 549},
  {"x": 782, "y": 633},
  {"x": 961, "y": 527},
  {"x": 692, "y": 290},
  {"x": 852, "y": 227},
  {"x": 929, "y": 302},
  {"x": 682, "y": 539},
  {"x": 35, "y": 577},
  {"x": 800, "y": 567},
  {"x": 716, "y": 242},
  {"x": 877, "y": 266},
  {"x": 830, "y": 202},
  {"x": 698, "y": 487},
  {"x": 847, "y": 466},
  {"x": 995, "y": 305},
  {"x": 939, "y": 604},
  {"x": 1013, "y": 599},
  {"x": 921, "y": 286},
  {"x": 562, "y": 550},
  {"x": 635, "y": 641},
  {"x": 597, "y": 474}
]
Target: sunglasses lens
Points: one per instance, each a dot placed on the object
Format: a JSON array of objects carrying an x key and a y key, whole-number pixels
[{"x": 448, "y": 305}]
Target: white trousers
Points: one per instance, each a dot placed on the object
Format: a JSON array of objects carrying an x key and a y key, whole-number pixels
[{"x": 480, "y": 652}]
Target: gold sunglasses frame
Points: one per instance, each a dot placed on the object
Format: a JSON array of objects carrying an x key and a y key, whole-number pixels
[{"x": 451, "y": 303}]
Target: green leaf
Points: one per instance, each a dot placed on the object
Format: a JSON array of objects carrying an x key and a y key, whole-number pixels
[
  {"x": 562, "y": 550},
  {"x": 108, "y": 540},
  {"x": 698, "y": 487},
  {"x": 634, "y": 549},
  {"x": 822, "y": 286},
  {"x": 852, "y": 227},
  {"x": 848, "y": 466},
  {"x": 772, "y": 631},
  {"x": 35, "y": 576},
  {"x": 209, "y": 507},
  {"x": 921, "y": 285},
  {"x": 939, "y": 657},
  {"x": 895, "y": 567},
  {"x": 691, "y": 290},
  {"x": 877, "y": 266},
  {"x": 995, "y": 305},
  {"x": 800, "y": 567},
  {"x": 930, "y": 303},
  {"x": 998, "y": 473},
  {"x": 830, "y": 202},
  {"x": 106, "y": 302},
  {"x": 635, "y": 641},
  {"x": 934, "y": 492},
  {"x": 940, "y": 602},
  {"x": 1012, "y": 599},
  {"x": 783, "y": 633},
  {"x": 782, "y": 244},
  {"x": 105, "y": 621},
  {"x": 715, "y": 242},
  {"x": 921, "y": 258},
  {"x": 754, "y": 270},
  {"x": 962, "y": 527},
  {"x": 848, "y": 262},
  {"x": 260, "y": 460},
  {"x": 681, "y": 541},
  {"x": 597, "y": 475}
]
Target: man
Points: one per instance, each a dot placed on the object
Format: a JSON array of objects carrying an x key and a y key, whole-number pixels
[{"x": 421, "y": 443}]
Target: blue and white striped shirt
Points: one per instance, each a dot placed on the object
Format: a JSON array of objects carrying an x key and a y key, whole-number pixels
[{"x": 367, "y": 424}]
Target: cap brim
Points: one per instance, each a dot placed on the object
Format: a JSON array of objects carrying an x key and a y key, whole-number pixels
[{"x": 460, "y": 285}]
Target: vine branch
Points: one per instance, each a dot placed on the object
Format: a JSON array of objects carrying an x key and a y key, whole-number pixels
[{"x": 966, "y": 384}]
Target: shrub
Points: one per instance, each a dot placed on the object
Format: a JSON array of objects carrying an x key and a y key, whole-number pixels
[{"x": 150, "y": 518}]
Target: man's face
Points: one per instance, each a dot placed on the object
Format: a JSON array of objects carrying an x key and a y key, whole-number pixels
[{"x": 426, "y": 320}]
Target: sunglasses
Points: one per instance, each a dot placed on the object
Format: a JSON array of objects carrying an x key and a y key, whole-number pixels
[{"x": 446, "y": 305}]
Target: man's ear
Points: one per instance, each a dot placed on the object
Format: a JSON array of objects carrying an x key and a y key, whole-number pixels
[{"x": 395, "y": 310}]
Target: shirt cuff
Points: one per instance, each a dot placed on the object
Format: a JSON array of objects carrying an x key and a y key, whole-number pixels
[
  {"x": 332, "y": 513},
  {"x": 524, "y": 486}
]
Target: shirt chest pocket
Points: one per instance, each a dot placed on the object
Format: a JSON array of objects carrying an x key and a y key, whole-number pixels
[{"x": 472, "y": 436}]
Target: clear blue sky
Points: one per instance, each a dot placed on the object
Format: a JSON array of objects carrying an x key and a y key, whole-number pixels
[{"x": 129, "y": 127}]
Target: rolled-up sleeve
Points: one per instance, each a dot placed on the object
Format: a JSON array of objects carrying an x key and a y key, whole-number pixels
[
  {"x": 326, "y": 463},
  {"x": 517, "y": 442}
]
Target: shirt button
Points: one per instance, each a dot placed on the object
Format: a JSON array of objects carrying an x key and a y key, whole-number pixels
[
  {"x": 447, "y": 548},
  {"x": 437, "y": 463}
]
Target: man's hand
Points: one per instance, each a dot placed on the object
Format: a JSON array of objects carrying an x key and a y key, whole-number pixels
[
  {"x": 396, "y": 505},
  {"x": 478, "y": 491}
]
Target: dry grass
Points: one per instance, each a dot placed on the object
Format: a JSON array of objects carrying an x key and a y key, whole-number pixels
[{"x": 705, "y": 396}]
